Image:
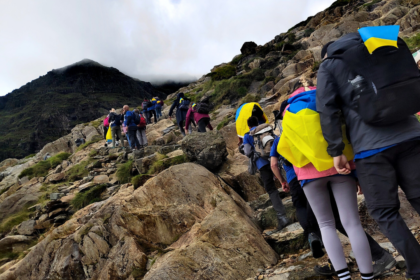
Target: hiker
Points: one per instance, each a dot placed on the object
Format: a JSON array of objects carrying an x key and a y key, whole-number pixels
[
  {"x": 106, "y": 125},
  {"x": 301, "y": 143},
  {"x": 151, "y": 110},
  {"x": 182, "y": 105},
  {"x": 243, "y": 113},
  {"x": 158, "y": 107},
  {"x": 47, "y": 156},
  {"x": 386, "y": 155},
  {"x": 141, "y": 130},
  {"x": 382, "y": 259},
  {"x": 115, "y": 121},
  {"x": 266, "y": 174},
  {"x": 130, "y": 122},
  {"x": 199, "y": 113},
  {"x": 146, "y": 113}
]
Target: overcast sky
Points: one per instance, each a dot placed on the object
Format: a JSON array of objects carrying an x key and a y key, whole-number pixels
[{"x": 146, "y": 39}]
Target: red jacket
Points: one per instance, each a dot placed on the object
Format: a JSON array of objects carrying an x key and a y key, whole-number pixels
[{"x": 197, "y": 118}]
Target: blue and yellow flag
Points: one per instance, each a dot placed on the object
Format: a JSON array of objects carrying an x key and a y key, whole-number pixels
[
  {"x": 379, "y": 36},
  {"x": 242, "y": 115},
  {"x": 302, "y": 141}
]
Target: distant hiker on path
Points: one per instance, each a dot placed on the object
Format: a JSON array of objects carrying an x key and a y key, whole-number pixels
[
  {"x": 115, "y": 121},
  {"x": 158, "y": 107},
  {"x": 181, "y": 105},
  {"x": 130, "y": 122},
  {"x": 141, "y": 129},
  {"x": 386, "y": 155},
  {"x": 106, "y": 125},
  {"x": 199, "y": 113}
]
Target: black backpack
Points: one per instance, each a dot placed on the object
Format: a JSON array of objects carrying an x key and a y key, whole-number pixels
[
  {"x": 115, "y": 119},
  {"x": 203, "y": 108},
  {"x": 149, "y": 104},
  {"x": 185, "y": 104},
  {"x": 136, "y": 118},
  {"x": 387, "y": 85}
]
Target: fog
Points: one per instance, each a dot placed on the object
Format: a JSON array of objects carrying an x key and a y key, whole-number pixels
[{"x": 153, "y": 40}]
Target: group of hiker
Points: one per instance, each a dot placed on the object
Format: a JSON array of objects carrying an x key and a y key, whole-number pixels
[
  {"x": 360, "y": 115},
  {"x": 132, "y": 123}
]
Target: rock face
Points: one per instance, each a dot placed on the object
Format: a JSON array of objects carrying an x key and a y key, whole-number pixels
[
  {"x": 207, "y": 149},
  {"x": 195, "y": 220}
]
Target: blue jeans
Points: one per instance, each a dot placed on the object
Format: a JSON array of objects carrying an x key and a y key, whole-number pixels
[{"x": 158, "y": 112}]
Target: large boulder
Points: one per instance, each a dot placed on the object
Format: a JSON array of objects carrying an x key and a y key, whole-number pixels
[
  {"x": 230, "y": 135},
  {"x": 248, "y": 48},
  {"x": 207, "y": 149},
  {"x": 193, "y": 220},
  {"x": 8, "y": 163}
]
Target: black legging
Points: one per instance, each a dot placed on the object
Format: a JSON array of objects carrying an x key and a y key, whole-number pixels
[{"x": 202, "y": 124}]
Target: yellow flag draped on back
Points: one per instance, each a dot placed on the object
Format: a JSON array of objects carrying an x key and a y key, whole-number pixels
[
  {"x": 302, "y": 141},
  {"x": 243, "y": 114}
]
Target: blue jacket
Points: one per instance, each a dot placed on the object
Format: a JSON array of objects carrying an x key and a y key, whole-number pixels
[
  {"x": 153, "y": 107},
  {"x": 129, "y": 120}
]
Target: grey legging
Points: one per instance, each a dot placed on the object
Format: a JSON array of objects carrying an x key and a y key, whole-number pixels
[{"x": 344, "y": 190}]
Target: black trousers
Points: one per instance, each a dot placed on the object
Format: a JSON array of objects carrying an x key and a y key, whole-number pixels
[
  {"x": 133, "y": 138},
  {"x": 105, "y": 131},
  {"x": 202, "y": 124},
  {"x": 379, "y": 177},
  {"x": 309, "y": 223},
  {"x": 267, "y": 177}
]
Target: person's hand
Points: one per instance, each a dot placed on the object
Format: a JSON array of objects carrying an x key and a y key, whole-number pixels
[
  {"x": 170, "y": 117},
  {"x": 342, "y": 165},
  {"x": 285, "y": 186},
  {"x": 359, "y": 189}
]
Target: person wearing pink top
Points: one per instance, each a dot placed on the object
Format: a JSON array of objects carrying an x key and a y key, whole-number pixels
[{"x": 202, "y": 120}]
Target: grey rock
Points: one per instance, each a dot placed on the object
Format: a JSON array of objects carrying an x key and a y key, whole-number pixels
[
  {"x": 26, "y": 227},
  {"x": 207, "y": 149},
  {"x": 168, "y": 149},
  {"x": 56, "y": 196},
  {"x": 400, "y": 262}
]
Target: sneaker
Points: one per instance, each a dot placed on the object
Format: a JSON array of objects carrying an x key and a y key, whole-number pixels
[
  {"x": 383, "y": 264},
  {"x": 325, "y": 270},
  {"x": 282, "y": 222},
  {"x": 316, "y": 245}
]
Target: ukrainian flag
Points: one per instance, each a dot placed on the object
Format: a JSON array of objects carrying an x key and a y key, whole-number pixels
[
  {"x": 379, "y": 36},
  {"x": 243, "y": 114}
]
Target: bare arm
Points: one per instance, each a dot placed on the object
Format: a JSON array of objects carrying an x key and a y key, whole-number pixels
[{"x": 277, "y": 173}]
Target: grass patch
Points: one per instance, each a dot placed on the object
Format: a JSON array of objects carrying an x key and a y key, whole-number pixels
[
  {"x": 41, "y": 168},
  {"x": 236, "y": 60},
  {"x": 250, "y": 98},
  {"x": 93, "y": 153},
  {"x": 8, "y": 223},
  {"x": 223, "y": 73},
  {"x": 96, "y": 123},
  {"x": 124, "y": 172},
  {"x": 268, "y": 79},
  {"x": 81, "y": 147},
  {"x": 413, "y": 43},
  {"x": 308, "y": 32},
  {"x": 83, "y": 199},
  {"x": 29, "y": 156},
  {"x": 3, "y": 191},
  {"x": 78, "y": 171},
  {"x": 161, "y": 165},
  {"x": 225, "y": 122},
  {"x": 139, "y": 180},
  {"x": 366, "y": 6}
]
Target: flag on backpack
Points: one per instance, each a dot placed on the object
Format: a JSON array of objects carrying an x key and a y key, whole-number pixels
[
  {"x": 243, "y": 114},
  {"x": 184, "y": 104},
  {"x": 302, "y": 141}
]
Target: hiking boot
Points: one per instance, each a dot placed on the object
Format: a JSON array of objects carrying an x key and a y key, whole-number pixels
[
  {"x": 383, "y": 264},
  {"x": 316, "y": 245},
  {"x": 325, "y": 270},
  {"x": 282, "y": 222}
]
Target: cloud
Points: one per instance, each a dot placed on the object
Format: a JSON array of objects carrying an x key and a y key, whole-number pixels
[{"x": 144, "y": 39}]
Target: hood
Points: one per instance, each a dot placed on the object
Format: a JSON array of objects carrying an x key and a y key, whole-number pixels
[{"x": 343, "y": 44}]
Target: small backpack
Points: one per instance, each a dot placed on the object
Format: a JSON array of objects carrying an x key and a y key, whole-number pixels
[
  {"x": 106, "y": 122},
  {"x": 144, "y": 104},
  {"x": 149, "y": 104},
  {"x": 386, "y": 88},
  {"x": 136, "y": 118},
  {"x": 263, "y": 139},
  {"x": 185, "y": 104},
  {"x": 203, "y": 108},
  {"x": 142, "y": 122}
]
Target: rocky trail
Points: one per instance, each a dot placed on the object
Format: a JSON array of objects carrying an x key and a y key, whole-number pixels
[{"x": 181, "y": 208}]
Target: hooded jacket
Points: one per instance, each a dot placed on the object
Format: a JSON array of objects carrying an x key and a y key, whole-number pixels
[
  {"x": 334, "y": 99},
  {"x": 181, "y": 115},
  {"x": 197, "y": 117}
]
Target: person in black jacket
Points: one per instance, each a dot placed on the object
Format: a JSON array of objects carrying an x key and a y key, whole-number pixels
[
  {"x": 181, "y": 115},
  {"x": 386, "y": 156}
]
